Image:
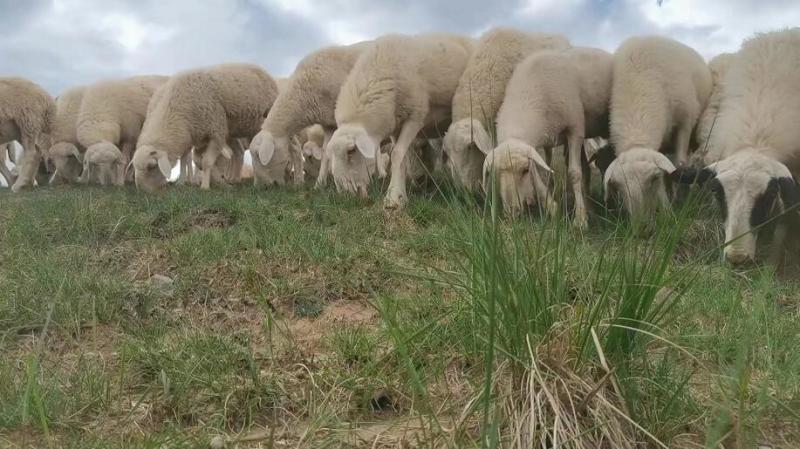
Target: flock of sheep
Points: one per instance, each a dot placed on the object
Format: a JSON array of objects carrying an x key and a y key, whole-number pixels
[{"x": 498, "y": 106}]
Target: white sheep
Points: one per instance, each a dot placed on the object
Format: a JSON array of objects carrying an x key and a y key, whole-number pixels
[
  {"x": 114, "y": 112},
  {"x": 308, "y": 98},
  {"x": 755, "y": 170},
  {"x": 66, "y": 152},
  {"x": 26, "y": 115},
  {"x": 203, "y": 108},
  {"x": 660, "y": 88},
  {"x": 401, "y": 85},
  {"x": 480, "y": 93},
  {"x": 553, "y": 98},
  {"x": 718, "y": 65},
  {"x": 103, "y": 164}
]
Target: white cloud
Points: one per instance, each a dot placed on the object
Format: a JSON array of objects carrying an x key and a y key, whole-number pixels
[{"x": 60, "y": 43}]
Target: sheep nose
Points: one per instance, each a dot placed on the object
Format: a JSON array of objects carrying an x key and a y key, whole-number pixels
[{"x": 738, "y": 257}]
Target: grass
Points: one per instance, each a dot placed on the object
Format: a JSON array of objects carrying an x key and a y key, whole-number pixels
[{"x": 308, "y": 319}]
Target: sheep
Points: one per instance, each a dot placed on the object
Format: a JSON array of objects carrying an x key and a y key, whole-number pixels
[
  {"x": 104, "y": 164},
  {"x": 114, "y": 112},
  {"x": 401, "y": 84},
  {"x": 202, "y": 108},
  {"x": 660, "y": 88},
  {"x": 553, "y": 97},
  {"x": 308, "y": 98},
  {"x": 26, "y": 115},
  {"x": 718, "y": 65},
  {"x": 480, "y": 93},
  {"x": 66, "y": 152},
  {"x": 754, "y": 173}
]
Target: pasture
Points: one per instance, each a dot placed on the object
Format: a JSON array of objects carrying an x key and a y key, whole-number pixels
[{"x": 293, "y": 318}]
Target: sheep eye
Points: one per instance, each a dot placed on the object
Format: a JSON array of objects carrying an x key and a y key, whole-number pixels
[{"x": 351, "y": 150}]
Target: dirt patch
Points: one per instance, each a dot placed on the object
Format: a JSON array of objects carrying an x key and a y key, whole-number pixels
[{"x": 307, "y": 333}]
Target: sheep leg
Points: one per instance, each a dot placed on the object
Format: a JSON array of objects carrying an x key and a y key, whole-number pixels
[
  {"x": 682, "y": 138},
  {"x": 575, "y": 176},
  {"x": 6, "y": 172},
  {"x": 237, "y": 162},
  {"x": 210, "y": 156},
  {"x": 325, "y": 163},
  {"x": 127, "y": 149},
  {"x": 29, "y": 164},
  {"x": 397, "y": 197},
  {"x": 186, "y": 161}
]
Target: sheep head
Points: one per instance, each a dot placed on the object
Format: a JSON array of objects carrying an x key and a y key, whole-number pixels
[
  {"x": 67, "y": 160},
  {"x": 103, "y": 164},
  {"x": 640, "y": 177},
  {"x": 514, "y": 167},
  {"x": 751, "y": 189},
  {"x": 353, "y": 158},
  {"x": 152, "y": 167},
  {"x": 270, "y": 156},
  {"x": 466, "y": 144}
]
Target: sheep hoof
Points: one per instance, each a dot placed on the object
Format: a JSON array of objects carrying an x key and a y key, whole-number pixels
[
  {"x": 395, "y": 201},
  {"x": 581, "y": 223}
]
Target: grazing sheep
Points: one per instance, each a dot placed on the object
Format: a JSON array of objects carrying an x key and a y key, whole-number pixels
[
  {"x": 553, "y": 98},
  {"x": 480, "y": 93},
  {"x": 66, "y": 152},
  {"x": 755, "y": 170},
  {"x": 26, "y": 115},
  {"x": 404, "y": 85},
  {"x": 660, "y": 88},
  {"x": 718, "y": 65},
  {"x": 114, "y": 112},
  {"x": 203, "y": 108},
  {"x": 103, "y": 164},
  {"x": 308, "y": 98}
]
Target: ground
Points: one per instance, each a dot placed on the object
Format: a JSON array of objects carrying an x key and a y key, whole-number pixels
[{"x": 295, "y": 318}]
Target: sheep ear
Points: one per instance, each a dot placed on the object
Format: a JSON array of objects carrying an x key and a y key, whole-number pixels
[
  {"x": 316, "y": 152},
  {"x": 366, "y": 146},
  {"x": 664, "y": 163},
  {"x": 790, "y": 194},
  {"x": 227, "y": 152},
  {"x": 77, "y": 154},
  {"x": 537, "y": 159},
  {"x": 603, "y": 157},
  {"x": 164, "y": 166},
  {"x": 482, "y": 140},
  {"x": 607, "y": 177},
  {"x": 266, "y": 150}
]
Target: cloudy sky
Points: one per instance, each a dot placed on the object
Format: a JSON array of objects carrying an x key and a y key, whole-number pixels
[{"x": 60, "y": 43}]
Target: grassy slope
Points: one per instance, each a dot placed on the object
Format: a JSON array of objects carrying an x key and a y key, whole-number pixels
[{"x": 319, "y": 318}]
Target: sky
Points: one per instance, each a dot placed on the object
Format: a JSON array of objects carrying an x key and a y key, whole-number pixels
[{"x": 63, "y": 43}]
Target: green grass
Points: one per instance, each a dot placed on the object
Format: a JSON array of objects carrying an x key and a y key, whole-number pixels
[{"x": 328, "y": 323}]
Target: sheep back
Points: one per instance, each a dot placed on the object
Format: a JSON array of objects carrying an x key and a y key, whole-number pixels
[
  {"x": 482, "y": 86},
  {"x": 658, "y": 84},
  {"x": 115, "y": 110},
  {"x": 25, "y": 109}
]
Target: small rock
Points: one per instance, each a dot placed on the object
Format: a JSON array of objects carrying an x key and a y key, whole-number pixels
[
  {"x": 163, "y": 284},
  {"x": 217, "y": 442}
]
